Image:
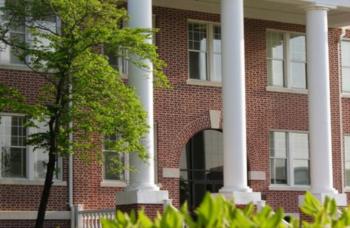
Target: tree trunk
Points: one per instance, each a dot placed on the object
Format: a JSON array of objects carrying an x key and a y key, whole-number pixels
[{"x": 46, "y": 192}]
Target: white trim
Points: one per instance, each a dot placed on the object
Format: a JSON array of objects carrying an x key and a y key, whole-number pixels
[
  {"x": 171, "y": 173},
  {"x": 14, "y": 67},
  {"x": 197, "y": 82},
  {"x": 142, "y": 197},
  {"x": 289, "y": 188},
  {"x": 286, "y": 90},
  {"x": 113, "y": 184},
  {"x": 345, "y": 95},
  {"x": 31, "y": 215},
  {"x": 18, "y": 181},
  {"x": 257, "y": 175}
]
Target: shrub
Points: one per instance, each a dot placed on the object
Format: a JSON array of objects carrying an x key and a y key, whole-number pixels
[{"x": 215, "y": 211}]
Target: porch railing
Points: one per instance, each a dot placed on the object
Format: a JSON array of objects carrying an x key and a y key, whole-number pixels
[{"x": 91, "y": 218}]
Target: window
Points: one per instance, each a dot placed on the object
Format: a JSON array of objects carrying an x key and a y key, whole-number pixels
[
  {"x": 9, "y": 55},
  {"x": 286, "y": 60},
  {"x": 113, "y": 162},
  {"x": 204, "y": 51},
  {"x": 118, "y": 58},
  {"x": 289, "y": 158},
  {"x": 345, "y": 65},
  {"x": 347, "y": 159},
  {"x": 17, "y": 159}
]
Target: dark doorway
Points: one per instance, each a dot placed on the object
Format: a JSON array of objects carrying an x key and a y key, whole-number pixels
[{"x": 201, "y": 167}]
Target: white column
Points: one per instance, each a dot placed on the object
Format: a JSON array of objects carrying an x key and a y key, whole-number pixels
[
  {"x": 140, "y": 13},
  {"x": 319, "y": 100},
  {"x": 142, "y": 188},
  {"x": 234, "y": 102},
  {"x": 321, "y": 168},
  {"x": 234, "y": 106}
]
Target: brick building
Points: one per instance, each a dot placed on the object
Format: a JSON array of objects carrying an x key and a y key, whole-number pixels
[{"x": 259, "y": 109}]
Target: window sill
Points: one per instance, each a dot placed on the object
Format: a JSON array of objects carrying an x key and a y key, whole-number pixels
[
  {"x": 113, "y": 184},
  {"x": 30, "y": 182},
  {"x": 289, "y": 188},
  {"x": 14, "y": 67},
  {"x": 347, "y": 189},
  {"x": 203, "y": 83},
  {"x": 345, "y": 95},
  {"x": 286, "y": 90}
]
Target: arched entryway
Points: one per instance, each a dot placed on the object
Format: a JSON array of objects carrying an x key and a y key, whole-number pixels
[{"x": 201, "y": 167}]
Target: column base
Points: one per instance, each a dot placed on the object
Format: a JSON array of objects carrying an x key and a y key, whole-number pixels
[
  {"x": 242, "y": 198},
  {"x": 142, "y": 197},
  {"x": 340, "y": 198}
]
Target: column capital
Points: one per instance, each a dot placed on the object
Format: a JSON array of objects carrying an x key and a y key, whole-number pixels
[{"x": 318, "y": 6}]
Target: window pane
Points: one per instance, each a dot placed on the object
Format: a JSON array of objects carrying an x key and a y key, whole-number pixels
[
  {"x": 278, "y": 145},
  {"x": 18, "y": 37},
  {"x": 345, "y": 46},
  {"x": 275, "y": 45},
  {"x": 347, "y": 148},
  {"x": 198, "y": 67},
  {"x": 346, "y": 79},
  {"x": 298, "y": 75},
  {"x": 213, "y": 149},
  {"x": 197, "y": 37},
  {"x": 40, "y": 165},
  {"x": 13, "y": 162},
  {"x": 216, "y": 68},
  {"x": 299, "y": 145},
  {"x": 278, "y": 170},
  {"x": 297, "y": 47},
  {"x": 301, "y": 172},
  {"x": 347, "y": 173},
  {"x": 216, "y": 44},
  {"x": 113, "y": 166},
  {"x": 197, "y": 44},
  {"x": 275, "y": 72}
]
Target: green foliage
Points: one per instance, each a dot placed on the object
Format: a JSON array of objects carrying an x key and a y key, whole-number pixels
[
  {"x": 80, "y": 83},
  {"x": 215, "y": 211}
]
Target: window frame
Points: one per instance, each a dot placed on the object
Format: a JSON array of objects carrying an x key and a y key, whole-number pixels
[
  {"x": 210, "y": 53},
  {"x": 116, "y": 182},
  {"x": 347, "y": 187},
  {"x": 120, "y": 183},
  {"x": 30, "y": 159},
  {"x": 344, "y": 92},
  {"x": 287, "y": 62},
  {"x": 290, "y": 160}
]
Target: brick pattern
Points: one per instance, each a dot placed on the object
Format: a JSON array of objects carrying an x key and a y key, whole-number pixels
[{"x": 183, "y": 110}]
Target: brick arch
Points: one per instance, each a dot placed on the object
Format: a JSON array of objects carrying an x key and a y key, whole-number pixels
[{"x": 188, "y": 131}]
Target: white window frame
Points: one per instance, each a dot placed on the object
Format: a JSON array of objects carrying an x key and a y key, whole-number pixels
[
  {"x": 120, "y": 183},
  {"x": 287, "y": 60},
  {"x": 210, "y": 54},
  {"x": 290, "y": 159},
  {"x": 110, "y": 182},
  {"x": 21, "y": 66},
  {"x": 342, "y": 65},
  {"x": 347, "y": 187},
  {"x": 30, "y": 159}
]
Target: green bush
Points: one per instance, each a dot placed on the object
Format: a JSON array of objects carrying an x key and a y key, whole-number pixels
[{"x": 219, "y": 212}]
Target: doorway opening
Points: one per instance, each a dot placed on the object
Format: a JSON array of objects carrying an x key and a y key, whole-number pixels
[{"x": 201, "y": 167}]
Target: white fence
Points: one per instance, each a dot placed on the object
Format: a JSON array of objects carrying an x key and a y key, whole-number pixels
[{"x": 91, "y": 218}]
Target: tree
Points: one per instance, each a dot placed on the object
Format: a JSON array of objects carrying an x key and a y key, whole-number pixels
[{"x": 80, "y": 86}]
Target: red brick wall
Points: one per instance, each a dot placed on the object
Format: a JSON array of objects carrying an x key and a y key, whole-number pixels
[{"x": 182, "y": 111}]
